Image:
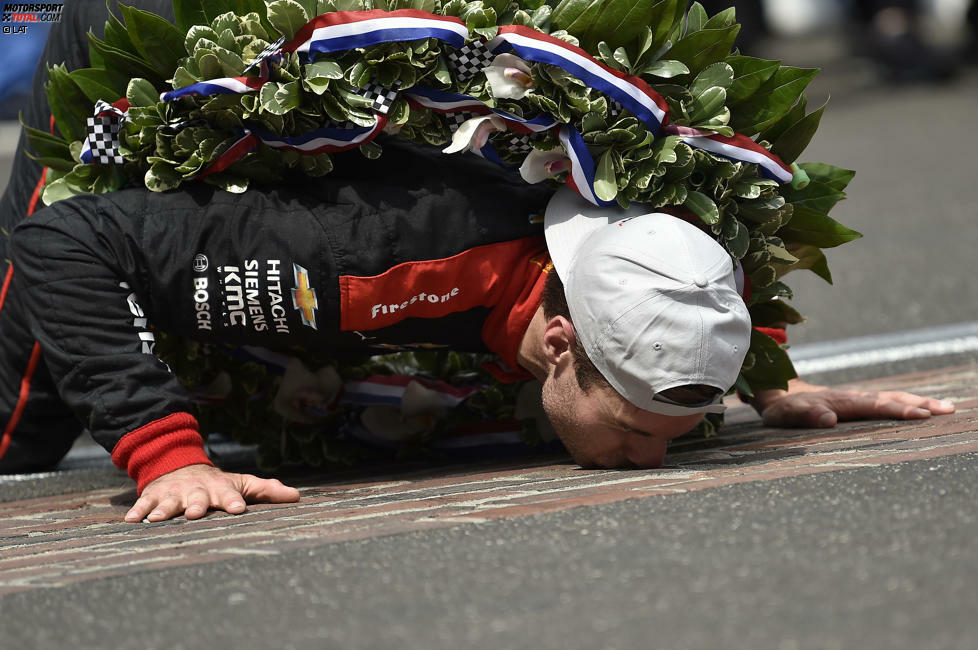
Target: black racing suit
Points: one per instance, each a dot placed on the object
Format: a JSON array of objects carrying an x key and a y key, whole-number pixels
[
  {"x": 93, "y": 276},
  {"x": 423, "y": 254}
]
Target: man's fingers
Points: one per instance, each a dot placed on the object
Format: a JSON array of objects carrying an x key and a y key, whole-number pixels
[
  {"x": 935, "y": 406},
  {"x": 855, "y": 406},
  {"x": 170, "y": 506},
  {"x": 140, "y": 509},
  {"x": 265, "y": 490},
  {"x": 799, "y": 413},
  {"x": 197, "y": 503},
  {"x": 192, "y": 490},
  {"x": 229, "y": 499}
]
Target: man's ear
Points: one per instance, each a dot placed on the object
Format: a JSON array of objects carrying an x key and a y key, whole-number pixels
[{"x": 558, "y": 338}]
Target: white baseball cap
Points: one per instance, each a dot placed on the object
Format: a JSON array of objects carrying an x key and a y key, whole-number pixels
[{"x": 653, "y": 300}]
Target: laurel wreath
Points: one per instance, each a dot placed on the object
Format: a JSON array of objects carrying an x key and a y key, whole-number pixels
[{"x": 684, "y": 54}]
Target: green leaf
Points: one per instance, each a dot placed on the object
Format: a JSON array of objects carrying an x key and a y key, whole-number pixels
[
  {"x": 46, "y": 145},
  {"x": 795, "y": 113},
  {"x": 196, "y": 34},
  {"x": 703, "y": 207},
  {"x": 811, "y": 258},
  {"x": 707, "y": 104},
  {"x": 214, "y": 8},
  {"x": 737, "y": 237},
  {"x": 618, "y": 22},
  {"x": 774, "y": 313},
  {"x": 817, "y": 197},
  {"x": 288, "y": 95},
  {"x": 700, "y": 49},
  {"x": 665, "y": 69},
  {"x": 99, "y": 84},
  {"x": 816, "y": 229},
  {"x": 117, "y": 36},
  {"x": 665, "y": 18},
  {"x": 122, "y": 62},
  {"x": 324, "y": 68},
  {"x": 772, "y": 368},
  {"x": 142, "y": 93},
  {"x": 834, "y": 177},
  {"x": 57, "y": 191},
  {"x": 69, "y": 105},
  {"x": 775, "y": 290},
  {"x": 189, "y": 13},
  {"x": 723, "y": 18},
  {"x": 605, "y": 184},
  {"x": 287, "y": 16},
  {"x": 749, "y": 75},
  {"x": 780, "y": 254},
  {"x": 696, "y": 18},
  {"x": 59, "y": 163},
  {"x": 158, "y": 41},
  {"x": 772, "y": 100},
  {"x": 621, "y": 56},
  {"x": 717, "y": 74},
  {"x": 161, "y": 177}
]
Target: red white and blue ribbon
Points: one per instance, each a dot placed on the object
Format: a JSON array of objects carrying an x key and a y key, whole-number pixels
[
  {"x": 581, "y": 176},
  {"x": 633, "y": 93},
  {"x": 441, "y": 101},
  {"x": 245, "y": 143},
  {"x": 222, "y": 86},
  {"x": 389, "y": 389},
  {"x": 329, "y": 139},
  {"x": 738, "y": 148},
  {"x": 347, "y": 30}
]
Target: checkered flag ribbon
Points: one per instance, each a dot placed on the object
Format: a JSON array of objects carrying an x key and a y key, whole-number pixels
[
  {"x": 456, "y": 120},
  {"x": 470, "y": 59},
  {"x": 519, "y": 144},
  {"x": 615, "y": 108},
  {"x": 102, "y": 142},
  {"x": 266, "y": 53},
  {"x": 383, "y": 96}
]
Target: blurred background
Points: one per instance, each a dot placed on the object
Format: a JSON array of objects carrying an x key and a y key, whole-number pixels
[{"x": 903, "y": 80}]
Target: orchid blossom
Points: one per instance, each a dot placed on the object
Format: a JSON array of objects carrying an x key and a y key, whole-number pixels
[
  {"x": 540, "y": 165},
  {"x": 509, "y": 77},
  {"x": 305, "y": 396},
  {"x": 474, "y": 133},
  {"x": 419, "y": 409}
]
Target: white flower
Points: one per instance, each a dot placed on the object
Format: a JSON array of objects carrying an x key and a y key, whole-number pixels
[
  {"x": 509, "y": 77},
  {"x": 474, "y": 133},
  {"x": 541, "y": 165},
  {"x": 305, "y": 396},
  {"x": 419, "y": 399},
  {"x": 420, "y": 408},
  {"x": 390, "y": 424}
]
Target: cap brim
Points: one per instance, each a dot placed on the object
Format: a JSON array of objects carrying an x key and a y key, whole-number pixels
[
  {"x": 569, "y": 220},
  {"x": 667, "y": 408}
]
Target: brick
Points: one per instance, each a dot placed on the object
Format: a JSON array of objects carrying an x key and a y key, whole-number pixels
[{"x": 53, "y": 541}]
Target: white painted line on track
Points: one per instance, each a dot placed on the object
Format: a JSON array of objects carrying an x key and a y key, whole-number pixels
[{"x": 866, "y": 351}]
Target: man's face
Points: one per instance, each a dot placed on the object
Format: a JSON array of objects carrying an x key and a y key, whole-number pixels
[{"x": 601, "y": 429}]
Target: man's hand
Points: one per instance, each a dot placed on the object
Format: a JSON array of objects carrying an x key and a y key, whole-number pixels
[
  {"x": 191, "y": 490},
  {"x": 806, "y": 405}
]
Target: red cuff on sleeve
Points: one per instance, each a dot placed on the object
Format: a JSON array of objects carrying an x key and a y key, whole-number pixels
[{"x": 160, "y": 447}]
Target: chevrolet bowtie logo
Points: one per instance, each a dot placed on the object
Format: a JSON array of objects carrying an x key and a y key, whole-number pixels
[{"x": 304, "y": 296}]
